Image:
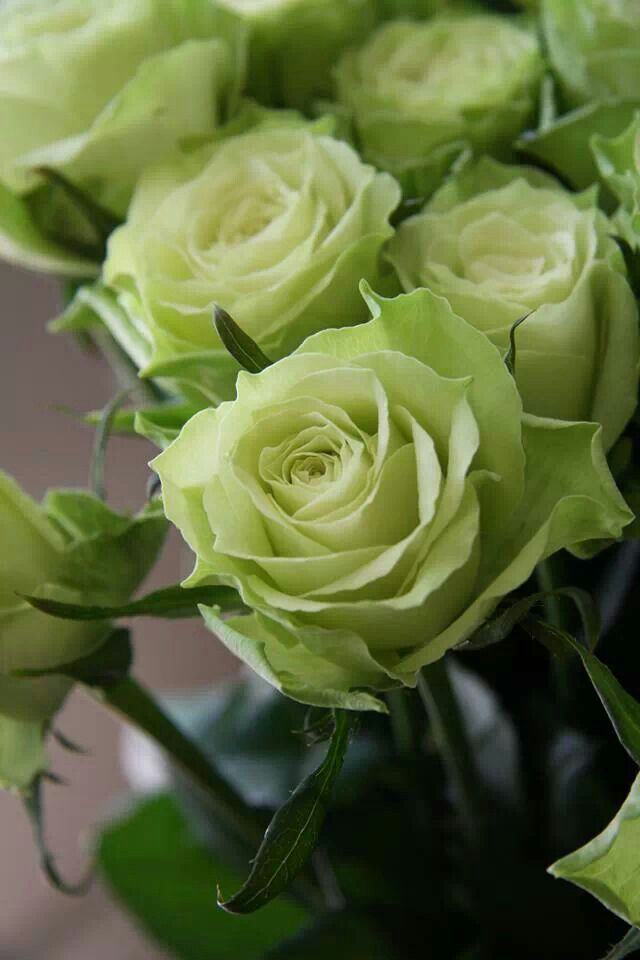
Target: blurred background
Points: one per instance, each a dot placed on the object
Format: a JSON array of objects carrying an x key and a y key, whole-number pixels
[{"x": 41, "y": 445}]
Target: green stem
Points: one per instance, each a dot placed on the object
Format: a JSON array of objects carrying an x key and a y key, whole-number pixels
[
  {"x": 124, "y": 370},
  {"x": 550, "y": 578},
  {"x": 548, "y": 581},
  {"x": 401, "y": 726},
  {"x": 447, "y": 721},
  {"x": 138, "y": 707}
]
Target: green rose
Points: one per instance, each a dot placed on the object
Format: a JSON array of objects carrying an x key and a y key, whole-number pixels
[
  {"x": 618, "y": 161},
  {"x": 276, "y": 225},
  {"x": 594, "y": 47},
  {"x": 502, "y": 243},
  {"x": 295, "y": 43},
  {"x": 97, "y": 91},
  {"x": 420, "y": 93},
  {"x": 75, "y": 550},
  {"x": 374, "y": 495}
]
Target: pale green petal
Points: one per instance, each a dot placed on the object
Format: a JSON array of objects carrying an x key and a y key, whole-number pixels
[
  {"x": 578, "y": 359},
  {"x": 174, "y": 96},
  {"x": 338, "y": 287},
  {"x": 457, "y": 502},
  {"x": 423, "y": 326},
  {"x": 276, "y": 222},
  {"x": 32, "y": 701},
  {"x": 609, "y": 865},
  {"x": 32, "y": 546},
  {"x": 302, "y": 575},
  {"x": 30, "y": 640},
  {"x": 412, "y": 385},
  {"x": 140, "y": 78},
  {"x": 442, "y": 587},
  {"x": 185, "y": 468},
  {"x": 22, "y": 755},
  {"x": 287, "y": 665},
  {"x": 569, "y": 497}
]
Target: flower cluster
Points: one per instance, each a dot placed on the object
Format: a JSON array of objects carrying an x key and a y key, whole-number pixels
[{"x": 442, "y": 339}]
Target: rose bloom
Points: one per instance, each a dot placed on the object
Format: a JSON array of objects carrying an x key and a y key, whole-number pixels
[
  {"x": 97, "y": 91},
  {"x": 374, "y": 495},
  {"x": 276, "y": 225},
  {"x": 594, "y": 47},
  {"x": 422, "y": 92},
  {"x": 73, "y": 549},
  {"x": 503, "y": 243}
]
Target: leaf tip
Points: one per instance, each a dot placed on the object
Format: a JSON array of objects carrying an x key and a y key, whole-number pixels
[{"x": 226, "y": 905}]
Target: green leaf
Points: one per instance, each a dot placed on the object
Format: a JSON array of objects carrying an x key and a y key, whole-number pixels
[
  {"x": 98, "y": 222},
  {"x": 153, "y": 430},
  {"x": 623, "y": 710},
  {"x": 608, "y": 866},
  {"x": 512, "y": 613},
  {"x": 107, "y": 665},
  {"x": 107, "y": 554},
  {"x": 630, "y": 944},
  {"x": 79, "y": 516},
  {"x": 156, "y": 867},
  {"x": 293, "y": 833},
  {"x": 170, "y": 603},
  {"x": 23, "y": 242},
  {"x": 254, "y": 736},
  {"x": 588, "y": 611},
  {"x": 238, "y": 343},
  {"x": 502, "y": 625}
]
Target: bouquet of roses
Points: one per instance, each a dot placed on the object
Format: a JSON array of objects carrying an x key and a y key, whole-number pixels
[{"x": 368, "y": 271}]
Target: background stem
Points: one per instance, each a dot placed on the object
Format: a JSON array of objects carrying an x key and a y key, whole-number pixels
[
  {"x": 401, "y": 725},
  {"x": 550, "y": 576},
  {"x": 138, "y": 707},
  {"x": 447, "y": 721}
]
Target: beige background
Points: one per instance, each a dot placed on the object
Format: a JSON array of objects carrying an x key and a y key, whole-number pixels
[{"x": 44, "y": 447}]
